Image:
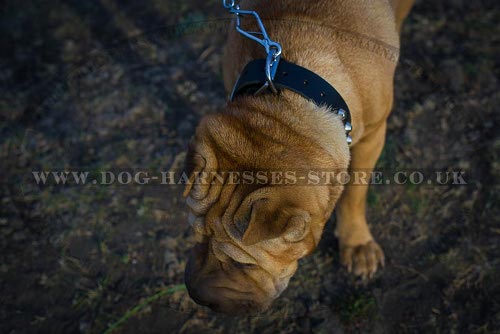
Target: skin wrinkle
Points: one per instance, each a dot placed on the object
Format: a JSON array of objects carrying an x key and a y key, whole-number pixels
[
  {"x": 269, "y": 255},
  {"x": 214, "y": 213},
  {"x": 263, "y": 134},
  {"x": 213, "y": 247},
  {"x": 260, "y": 267},
  {"x": 256, "y": 283},
  {"x": 233, "y": 207},
  {"x": 226, "y": 193},
  {"x": 245, "y": 253},
  {"x": 202, "y": 206},
  {"x": 262, "y": 112},
  {"x": 227, "y": 157},
  {"x": 219, "y": 148},
  {"x": 251, "y": 138},
  {"x": 268, "y": 273},
  {"x": 216, "y": 136},
  {"x": 228, "y": 276},
  {"x": 199, "y": 193}
]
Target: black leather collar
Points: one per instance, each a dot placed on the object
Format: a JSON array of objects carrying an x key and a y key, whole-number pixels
[{"x": 297, "y": 79}]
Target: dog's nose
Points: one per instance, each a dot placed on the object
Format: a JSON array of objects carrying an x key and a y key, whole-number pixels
[
  {"x": 235, "y": 307},
  {"x": 225, "y": 299}
]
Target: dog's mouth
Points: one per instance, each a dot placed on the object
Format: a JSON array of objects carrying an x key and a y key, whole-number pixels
[
  {"x": 226, "y": 299},
  {"x": 229, "y": 287}
]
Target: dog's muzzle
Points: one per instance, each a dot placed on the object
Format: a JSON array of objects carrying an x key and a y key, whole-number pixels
[{"x": 229, "y": 290}]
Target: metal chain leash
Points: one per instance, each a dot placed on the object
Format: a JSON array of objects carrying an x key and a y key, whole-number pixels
[{"x": 273, "y": 49}]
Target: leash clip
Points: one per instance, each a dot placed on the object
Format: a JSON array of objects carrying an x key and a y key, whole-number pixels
[
  {"x": 272, "y": 61},
  {"x": 273, "y": 49}
]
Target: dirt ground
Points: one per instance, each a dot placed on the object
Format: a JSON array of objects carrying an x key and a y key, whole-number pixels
[{"x": 97, "y": 85}]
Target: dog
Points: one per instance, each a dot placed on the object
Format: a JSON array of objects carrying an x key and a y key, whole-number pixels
[{"x": 250, "y": 235}]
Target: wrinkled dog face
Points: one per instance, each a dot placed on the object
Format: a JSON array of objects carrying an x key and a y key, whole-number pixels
[
  {"x": 249, "y": 236},
  {"x": 244, "y": 262}
]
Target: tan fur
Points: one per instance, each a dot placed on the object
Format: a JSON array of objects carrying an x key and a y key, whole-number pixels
[{"x": 251, "y": 235}]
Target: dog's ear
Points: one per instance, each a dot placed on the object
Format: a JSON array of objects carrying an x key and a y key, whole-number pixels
[
  {"x": 266, "y": 220},
  {"x": 297, "y": 226}
]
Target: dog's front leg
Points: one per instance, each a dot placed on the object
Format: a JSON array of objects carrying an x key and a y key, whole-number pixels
[{"x": 358, "y": 251}]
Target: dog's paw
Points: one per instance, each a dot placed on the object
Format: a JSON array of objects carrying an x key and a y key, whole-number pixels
[{"x": 363, "y": 260}]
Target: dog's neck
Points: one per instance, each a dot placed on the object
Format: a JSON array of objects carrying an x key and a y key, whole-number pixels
[
  {"x": 320, "y": 124},
  {"x": 324, "y": 126}
]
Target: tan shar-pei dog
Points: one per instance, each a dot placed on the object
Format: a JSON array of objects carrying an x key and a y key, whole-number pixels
[{"x": 250, "y": 235}]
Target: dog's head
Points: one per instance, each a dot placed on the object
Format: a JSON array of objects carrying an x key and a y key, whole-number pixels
[{"x": 251, "y": 230}]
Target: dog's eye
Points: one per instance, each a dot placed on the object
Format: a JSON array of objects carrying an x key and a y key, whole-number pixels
[{"x": 241, "y": 265}]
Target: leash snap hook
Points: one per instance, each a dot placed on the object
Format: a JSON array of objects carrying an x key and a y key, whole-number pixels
[
  {"x": 270, "y": 69},
  {"x": 272, "y": 61}
]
